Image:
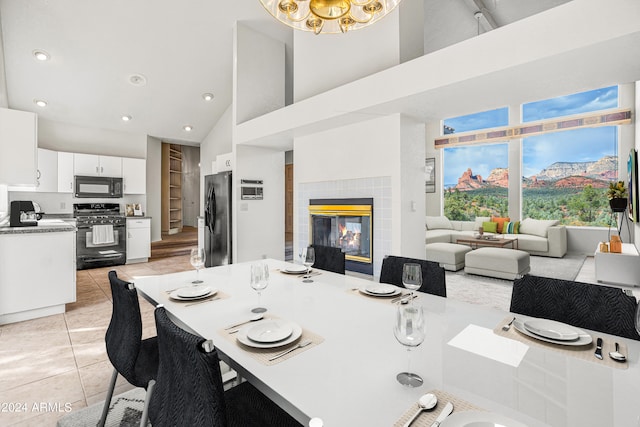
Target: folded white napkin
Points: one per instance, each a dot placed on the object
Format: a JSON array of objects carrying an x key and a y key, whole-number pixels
[
  {"x": 484, "y": 342},
  {"x": 103, "y": 234}
]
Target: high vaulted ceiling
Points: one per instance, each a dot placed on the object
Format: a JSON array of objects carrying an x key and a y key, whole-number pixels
[{"x": 182, "y": 49}]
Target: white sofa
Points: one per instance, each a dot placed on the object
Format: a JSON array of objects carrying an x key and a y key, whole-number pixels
[{"x": 537, "y": 237}]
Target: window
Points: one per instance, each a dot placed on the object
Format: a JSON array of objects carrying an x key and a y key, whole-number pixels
[
  {"x": 482, "y": 120},
  {"x": 584, "y": 102},
  {"x": 565, "y": 175},
  {"x": 476, "y": 181}
]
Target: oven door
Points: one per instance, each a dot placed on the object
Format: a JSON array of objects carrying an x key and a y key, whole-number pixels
[{"x": 100, "y": 245}]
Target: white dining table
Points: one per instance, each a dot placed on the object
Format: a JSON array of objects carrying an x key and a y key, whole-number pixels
[{"x": 349, "y": 379}]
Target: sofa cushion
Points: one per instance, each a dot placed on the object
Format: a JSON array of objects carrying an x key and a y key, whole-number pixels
[
  {"x": 490, "y": 227},
  {"x": 435, "y": 236},
  {"x": 530, "y": 243},
  {"x": 512, "y": 227},
  {"x": 500, "y": 221},
  {"x": 537, "y": 227},
  {"x": 438, "y": 223}
]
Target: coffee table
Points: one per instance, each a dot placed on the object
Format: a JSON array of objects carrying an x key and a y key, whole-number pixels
[{"x": 499, "y": 242}]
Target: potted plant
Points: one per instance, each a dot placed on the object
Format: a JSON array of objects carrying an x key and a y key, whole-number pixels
[{"x": 617, "y": 194}]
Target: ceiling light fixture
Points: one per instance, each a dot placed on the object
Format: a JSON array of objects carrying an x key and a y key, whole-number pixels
[
  {"x": 187, "y": 128},
  {"x": 41, "y": 55},
  {"x": 207, "y": 96},
  {"x": 40, "y": 102},
  {"x": 329, "y": 16},
  {"x": 137, "y": 80},
  {"x": 126, "y": 118}
]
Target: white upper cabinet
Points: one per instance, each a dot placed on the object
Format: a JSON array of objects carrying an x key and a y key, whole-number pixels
[
  {"x": 134, "y": 175},
  {"x": 94, "y": 165},
  {"x": 18, "y": 143},
  {"x": 65, "y": 172},
  {"x": 47, "y": 173}
]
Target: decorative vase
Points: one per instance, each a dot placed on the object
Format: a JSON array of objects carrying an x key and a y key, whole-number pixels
[
  {"x": 615, "y": 244},
  {"x": 618, "y": 204},
  {"x": 604, "y": 247}
]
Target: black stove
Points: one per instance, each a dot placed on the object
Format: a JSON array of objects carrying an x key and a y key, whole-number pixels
[
  {"x": 101, "y": 236},
  {"x": 98, "y": 213}
]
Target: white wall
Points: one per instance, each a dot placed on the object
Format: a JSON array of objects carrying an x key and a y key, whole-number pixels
[
  {"x": 218, "y": 141},
  {"x": 259, "y": 224},
  {"x": 76, "y": 139},
  {"x": 329, "y": 60},
  {"x": 259, "y": 73},
  {"x": 154, "y": 186},
  {"x": 412, "y": 177},
  {"x": 636, "y": 226}
]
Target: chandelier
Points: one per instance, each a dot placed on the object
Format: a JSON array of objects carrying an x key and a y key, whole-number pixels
[{"x": 329, "y": 16}]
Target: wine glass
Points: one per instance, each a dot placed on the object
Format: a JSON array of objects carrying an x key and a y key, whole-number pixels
[
  {"x": 412, "y": 277},
  {"x": 308, "y": 258},
  {"x": 259, "y": 282},
  {"x": 197, "y": 261},
  {"x": 409, "y": 331}
]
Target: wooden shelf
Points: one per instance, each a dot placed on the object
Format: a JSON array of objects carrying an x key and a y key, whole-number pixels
[{"x": 171, "y": 202}]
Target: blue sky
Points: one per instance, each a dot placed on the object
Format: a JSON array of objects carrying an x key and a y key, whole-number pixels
[{"x": 579, "y": 145}]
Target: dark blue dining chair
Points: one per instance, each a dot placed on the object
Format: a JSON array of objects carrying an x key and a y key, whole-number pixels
[
  {"x": 600, "y": 308},
  {"x": 189, "y": 389},
  {"x": 433, "y": 276}
]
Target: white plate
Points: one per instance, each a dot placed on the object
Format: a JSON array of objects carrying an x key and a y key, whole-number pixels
[
  {"x": 380, "y": 289},
  {"x": 295, "y": 269},
  {"x": 552, "y": 329},
  {"x": 193, "y": 291},
  {"x": 174, "y": 295},
  {"x": 396, "y": 291},
  {"x": 270, "y": 331},
  {"x": 242, "y": 337},
  {"x": 583, "y": 338},
  {"x": 479, "y": 419}
]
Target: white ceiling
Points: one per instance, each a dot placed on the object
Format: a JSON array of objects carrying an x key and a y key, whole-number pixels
[{"x": 184, "y": 49}]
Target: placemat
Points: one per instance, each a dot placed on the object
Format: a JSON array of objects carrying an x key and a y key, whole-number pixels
[
  {"x": 263, "y": 355},
  {"x": 385, "y": 300},
  {"x": 427, "y": 418},
  {"x": 584, "y": 352}
]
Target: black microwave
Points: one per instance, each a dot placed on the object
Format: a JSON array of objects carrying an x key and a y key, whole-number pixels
[{"x": 98, "y": 187}]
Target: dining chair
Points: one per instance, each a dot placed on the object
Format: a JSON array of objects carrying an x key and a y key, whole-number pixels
[
  {"x": 433, "y": 276},
  {"x": 585, "y": 305},
  {"x": 329, "y": 259},
  {"x": 131, "y": 356},
  {"x": 189, "y": 389}
]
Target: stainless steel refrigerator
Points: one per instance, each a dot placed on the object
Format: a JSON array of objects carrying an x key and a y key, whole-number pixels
[{"x": 217, "y": 219}]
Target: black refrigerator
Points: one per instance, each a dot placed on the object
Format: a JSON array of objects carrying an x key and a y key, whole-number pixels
[{"x": 217, "y": 219}]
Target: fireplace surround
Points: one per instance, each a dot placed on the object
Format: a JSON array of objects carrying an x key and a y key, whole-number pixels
[{"x": 347, "y": 224}]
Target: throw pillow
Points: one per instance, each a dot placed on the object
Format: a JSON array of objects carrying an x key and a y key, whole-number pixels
[
  {"x": 537, "y": 227},
  {"x": 511, "y": 227},
  {"x": 490, "y": 227},
  {"x": 500, "y": 221},
  {"x": 438, "y": 222}
]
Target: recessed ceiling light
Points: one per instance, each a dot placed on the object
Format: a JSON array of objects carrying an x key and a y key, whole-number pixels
[
  {"x": 207, "y": 96},
  {"x": 126, "y": 118},
  {"x": 41, "y": 55},
  {"x": 187, "y": 128},
  {"x": 137, "y": 80},
  {"x": 40, "y": 102}
]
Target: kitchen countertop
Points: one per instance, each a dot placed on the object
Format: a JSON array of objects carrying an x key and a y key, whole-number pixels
[{"x": 44, "y": 226}]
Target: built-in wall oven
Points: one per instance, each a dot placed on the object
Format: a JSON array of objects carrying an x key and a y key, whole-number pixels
[{"x": 101, "y": 239}]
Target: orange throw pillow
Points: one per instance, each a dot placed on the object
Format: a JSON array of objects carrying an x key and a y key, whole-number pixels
[{"x": 500, "y": 222}]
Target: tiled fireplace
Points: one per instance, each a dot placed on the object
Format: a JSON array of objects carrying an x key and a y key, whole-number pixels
[
  {"x": 346, "y": 224},
  {"x": 376, "y": 189}
]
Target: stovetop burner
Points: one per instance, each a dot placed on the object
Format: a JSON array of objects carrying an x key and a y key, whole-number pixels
[{"x": 96, "y": 210}]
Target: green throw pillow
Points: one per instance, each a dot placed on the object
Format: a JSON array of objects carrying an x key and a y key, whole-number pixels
[
  {"x": 490, "y": 227},
  {"x": 511, "y": 227}
]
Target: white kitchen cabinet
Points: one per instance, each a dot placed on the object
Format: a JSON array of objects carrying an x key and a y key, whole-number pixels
[
  {"x": 47, "y": 173},
  {"x": 18, "y": 143},
  {"x": 138, "y": 239},
  {"x": 65, "y": 172},
  {"x": 134, "y": 175},
  {"x": 38, "y": 274},
  {"x": 94, "y": 165}
]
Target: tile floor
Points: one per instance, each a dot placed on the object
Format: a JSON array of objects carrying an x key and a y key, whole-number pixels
[{"x": 61, "y": 360}]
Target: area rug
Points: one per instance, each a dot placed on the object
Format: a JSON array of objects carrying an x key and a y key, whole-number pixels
[
  {"x": 496, "y": 293},
  {"x": 125, "y": 411}
]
